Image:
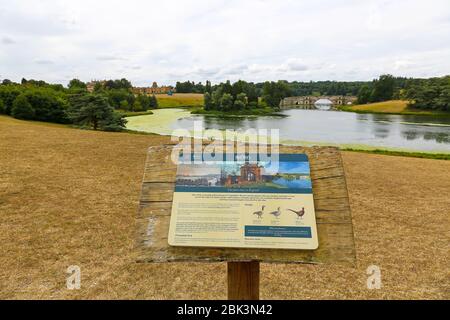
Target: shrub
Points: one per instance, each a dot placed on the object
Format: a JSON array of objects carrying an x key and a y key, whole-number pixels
[
  {"x": 22, "y": 109},
  {"x": 239, "y": 105},
  {"x": 48, "y": 104},
  {"x": 116, "y": 122},
  {"x": 2, "y": 107},
  {"x": 8, "y": 93}
]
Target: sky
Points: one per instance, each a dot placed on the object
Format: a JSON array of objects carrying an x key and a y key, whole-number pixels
[
  {"x": 233, "y": 168},
  {"x": 218, "y": 40}
]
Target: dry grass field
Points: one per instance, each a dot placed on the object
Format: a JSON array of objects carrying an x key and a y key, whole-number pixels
[
  {"x": 180, "y": 100},
  {"x": 69, "y": 197},
  {"x": 393, "y": 106}
]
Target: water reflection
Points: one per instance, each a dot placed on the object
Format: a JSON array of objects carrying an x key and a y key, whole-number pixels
[
  {"x": 410, "y": 135},
  {"x": 439, "y": 137}
]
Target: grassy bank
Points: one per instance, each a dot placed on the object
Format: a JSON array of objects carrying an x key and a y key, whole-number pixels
[
  {"x": 134, "y": 113},
  {"x": 423, "y": 155},
  {"x": 180, "y": 100},
  {"x": 391, "y": 107}
]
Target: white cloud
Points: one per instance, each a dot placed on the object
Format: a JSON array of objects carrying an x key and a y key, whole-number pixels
[
  {"x": 43, "y": 61},
  {"x": 110, "y": 58},
  {"x": 7, "y": 40},
  {"x": 197, "y": 40}
]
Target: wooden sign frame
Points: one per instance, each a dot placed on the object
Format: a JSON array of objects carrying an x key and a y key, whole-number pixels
[{"x": 333, "y": 217}]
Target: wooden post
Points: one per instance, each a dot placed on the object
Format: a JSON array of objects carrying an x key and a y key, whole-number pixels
[{"x": 243, "y": 280}]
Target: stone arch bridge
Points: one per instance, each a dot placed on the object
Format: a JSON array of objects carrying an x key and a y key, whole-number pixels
[{"x": 308, "y": 102}]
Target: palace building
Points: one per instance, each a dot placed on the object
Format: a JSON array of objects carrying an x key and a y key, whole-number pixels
[
  {"x": 90, "y": 86},
  {"x": 154, "y": 89},
  {"x": 249, "y": 173}
]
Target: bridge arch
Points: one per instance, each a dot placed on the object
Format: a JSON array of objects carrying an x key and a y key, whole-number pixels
[
  {"x": 309, "y": 102},
  {"x": 323, "y": 104}
]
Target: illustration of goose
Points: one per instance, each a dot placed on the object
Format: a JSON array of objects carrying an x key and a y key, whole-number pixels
[
  {"x": 300, "y": 213},
  {"x": 276, "y": 213},
  {"x": 260, "y": 213}
]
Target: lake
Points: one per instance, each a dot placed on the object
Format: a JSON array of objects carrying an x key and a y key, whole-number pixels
[
  {"x": 309, "y": 127},
  {"x": 294, "y": 183}
]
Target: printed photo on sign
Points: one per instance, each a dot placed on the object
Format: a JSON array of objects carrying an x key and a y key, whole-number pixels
[{"x": 244, "y": 204}]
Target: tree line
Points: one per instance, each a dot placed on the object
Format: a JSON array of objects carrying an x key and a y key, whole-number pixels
[
  {"x": 432, "y": 94},
  {"x": 296, "y": 88},
  {"x": 119, "y": 94},
  {"x": 192, "y": 87},
  {"x": 38, "y": 100}
]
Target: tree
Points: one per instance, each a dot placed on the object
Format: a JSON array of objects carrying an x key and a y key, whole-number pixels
[
  {"x": 208, "y": 87},
  {"x": 190, "y": 87},
  {"x": 93, "y": 110},
  {"x": 241, "y": 101},
  {"x": 364, "y": 95},
  {"x": 217, "y": 98},
  {"x": 443, "y": 101},
  {"x": 227, "y": 87},
  {"x": 124, "y": 105},
  {"x": 432, "y": 94},
  {"x": 115, "y": 122},
  {"x": 208, "y": 101},
  {"x": 116, "y": 96},
  {"x": 76, "y": 84},
  {"x": 274, "y": 92},
  {"x": 98, "y": 87},
  {"x": 153, "y": 102},
  {"x": 383, "y": 88},
  {"x": 118, "y": 84},
  {"x": 48, "y": 104},
  {"x": 252, "y": 94},
  {"x": 226, "y": 102},
  {"x": 239, "y": 87},
  {"x": 144, "y": 101},
  {"x": 2, "y": 107},
  {"x": 8, "y": 94},
  {"x": 22, "y": 109},
  {"x": 238, "y": 105},
  {"x": 137, "y": 106},
  {"x": 125, "y": 84}
]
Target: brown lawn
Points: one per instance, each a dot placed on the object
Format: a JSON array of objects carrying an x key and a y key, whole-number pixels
[
  {"x": 393, "y": 106},
  {"x": 180, "y": 100},
  {"x": 69, "y": 197}
]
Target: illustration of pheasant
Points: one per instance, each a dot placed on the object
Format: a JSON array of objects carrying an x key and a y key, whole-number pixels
[
  {"x": 299, "y": 214},
  {"x": 260, "y": 213},
  {"x": 276, "y": 213}
]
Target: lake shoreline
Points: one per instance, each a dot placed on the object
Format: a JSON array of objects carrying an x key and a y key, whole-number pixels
[
  {"x": 405, "y": 113},
  {"x": 392, "y": 107}
]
